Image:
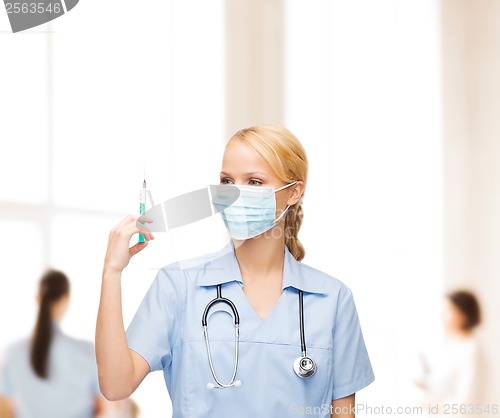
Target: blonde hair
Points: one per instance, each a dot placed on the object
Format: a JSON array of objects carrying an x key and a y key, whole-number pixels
[{"x": 287, "y": 158}]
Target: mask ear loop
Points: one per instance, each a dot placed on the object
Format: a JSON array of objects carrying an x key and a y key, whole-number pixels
[
  {"x": 282, "y": 214},
  {"x": 277, "y": 190},
  {"x": 285, "y": 186}
]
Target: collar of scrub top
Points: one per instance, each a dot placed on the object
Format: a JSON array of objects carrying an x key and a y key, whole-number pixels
[
  {"x": 224, "y": 268},
  {"x": 56, "y": 328}
]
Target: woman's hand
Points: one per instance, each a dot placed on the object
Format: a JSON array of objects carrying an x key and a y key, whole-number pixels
[
  {"x": 120, "y": 369},
  {"x": 118, "y": 253}
]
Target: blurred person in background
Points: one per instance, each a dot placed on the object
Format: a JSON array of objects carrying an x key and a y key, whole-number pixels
[
  {"x": 49, "y": 374},
  {"x": 452, "y": 378},
  {"x": 4, "y": 407}
]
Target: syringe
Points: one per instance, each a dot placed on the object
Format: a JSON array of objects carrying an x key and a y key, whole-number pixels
[{"x": 142, "y": 203}]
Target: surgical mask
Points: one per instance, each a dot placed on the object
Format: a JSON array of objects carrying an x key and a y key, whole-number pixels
[{"x": 252, "y": 213}]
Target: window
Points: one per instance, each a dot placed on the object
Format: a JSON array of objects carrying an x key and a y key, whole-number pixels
[{"x": 86, "y": 104}]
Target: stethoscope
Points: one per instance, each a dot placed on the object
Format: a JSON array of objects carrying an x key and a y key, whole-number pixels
[{"x": 303, "y": 366}]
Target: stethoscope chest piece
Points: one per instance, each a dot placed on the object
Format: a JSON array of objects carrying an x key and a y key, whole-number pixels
[{"x": 304, "y": 367}]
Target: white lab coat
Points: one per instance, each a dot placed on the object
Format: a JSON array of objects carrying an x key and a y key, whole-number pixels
[{"x": 452, "y": 381}]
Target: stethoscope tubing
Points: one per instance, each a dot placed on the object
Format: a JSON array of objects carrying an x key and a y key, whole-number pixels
[
  {"x": 219, "y": 298},
  {"x": 204, "y": 322},
  {"x": 302, "y": 371},
  {"x": 301, "y": 322}
]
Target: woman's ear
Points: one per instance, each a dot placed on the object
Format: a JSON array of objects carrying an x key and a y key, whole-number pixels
[{"x": 297, "y": 192}]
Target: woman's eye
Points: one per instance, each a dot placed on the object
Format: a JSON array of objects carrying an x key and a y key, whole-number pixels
[{"x": 252, "y": 182}]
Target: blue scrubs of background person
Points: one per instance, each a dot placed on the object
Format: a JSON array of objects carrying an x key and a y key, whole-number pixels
[
  {"x": 51, "y": 375},
  {"x": 261, "y": 272}
]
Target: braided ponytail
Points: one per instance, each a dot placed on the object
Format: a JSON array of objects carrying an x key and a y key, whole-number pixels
[{"x": 293, "y": 221}]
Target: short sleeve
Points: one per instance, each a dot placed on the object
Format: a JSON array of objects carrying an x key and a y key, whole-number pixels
[
  {"x": 352, "y": 370},
  {"x": 95, "y": 388},
  {"x": 5, "y": 380},
  {"x": 153, "y": 329}
]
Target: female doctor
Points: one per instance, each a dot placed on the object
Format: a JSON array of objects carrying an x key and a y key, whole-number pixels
[{"x": 292, "y": 345}]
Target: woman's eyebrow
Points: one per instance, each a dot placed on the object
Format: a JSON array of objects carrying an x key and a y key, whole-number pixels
[{"x": 245, "y": 174}]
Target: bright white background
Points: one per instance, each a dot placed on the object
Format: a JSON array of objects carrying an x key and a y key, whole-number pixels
[
  {"x": 90, "y": 98},
  {"x": 370, "y": 108}
]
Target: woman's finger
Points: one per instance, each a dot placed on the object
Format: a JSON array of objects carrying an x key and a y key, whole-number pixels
[
  {"x": 128, "y": 226},
  {"x": 127, "y": 220},
  {"x": 132, "y": 229},
  {"x": 144, "y": 218},
  {"x": 137, "y": 248}
]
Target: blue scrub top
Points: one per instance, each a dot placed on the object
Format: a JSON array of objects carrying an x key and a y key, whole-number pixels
[
  {"x": 72, "y": 387},
  {"x": 167, "y": 332}
]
